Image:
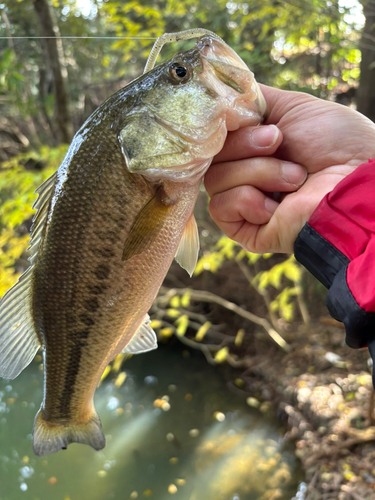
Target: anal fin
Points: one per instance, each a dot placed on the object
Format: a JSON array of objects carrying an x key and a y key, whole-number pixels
[
  {"x": 143, "y": 340},
  {"x": 187, "y": 252}
]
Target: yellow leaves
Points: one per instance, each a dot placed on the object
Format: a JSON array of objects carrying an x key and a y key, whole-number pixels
[
  {"x": 288, "y": 269},
  {"x": 120, "y": 379},
  {"x": 225, "y": 249},
  {"x": 209, "y": 262},
  {"x": 175, "y": 301},
  {"x": 166, "y": 332},
  {"x": 239, "y": 337},
  {"x": 185, "y": 299},
  {"x": 212, "y": 261},
  {"x": 117, "y": 363},
  {"x": 173, "y": 313},
  {"x": 104, "y": 374},
  {"x": 202, "y": 331},
  {"x": 282, "y": 303},
  {"x": 350, "y": 74},
  {"x": 182, "y": 324},
  {"x": 354, "y": 56},
  {"x": 106, "y": 61},
  {"x": 155, "y": 323},
  {"x": 221, "y": 355}
]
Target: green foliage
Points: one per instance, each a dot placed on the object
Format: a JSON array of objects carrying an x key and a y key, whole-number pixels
[
  {"x": 10, "y": 79},
  {"x": 17, "y": 186},
  {"x": 307, "y": 45},
  {"x": 282, "y": 43}
]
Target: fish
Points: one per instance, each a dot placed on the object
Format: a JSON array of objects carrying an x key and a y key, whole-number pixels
[{"x": 108, "y": 225}]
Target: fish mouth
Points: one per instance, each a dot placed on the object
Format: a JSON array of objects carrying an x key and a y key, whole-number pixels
[{"x": 225, "y": 73}]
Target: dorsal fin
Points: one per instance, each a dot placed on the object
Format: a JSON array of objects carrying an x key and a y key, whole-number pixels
[
  {"x": 18, "y": 339},
  {"x": 45, "y": 192}
]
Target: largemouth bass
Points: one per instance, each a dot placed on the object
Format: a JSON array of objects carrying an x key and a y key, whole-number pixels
[{"x": 109, "y": 223}]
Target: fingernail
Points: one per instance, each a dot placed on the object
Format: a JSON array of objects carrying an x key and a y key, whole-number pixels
[
  {"x": 265, "y": 137},
  {"x": 270, "y": 205},
  {"x": 293, "y": 173}
]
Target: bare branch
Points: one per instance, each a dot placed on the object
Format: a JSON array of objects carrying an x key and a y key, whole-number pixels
[{"x": 212, "y": 298}]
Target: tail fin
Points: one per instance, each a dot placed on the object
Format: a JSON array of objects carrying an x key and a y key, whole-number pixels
[{"x": 49, "y": 437}]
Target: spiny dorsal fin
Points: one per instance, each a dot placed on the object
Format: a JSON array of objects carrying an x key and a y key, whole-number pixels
[
  {"x": 188, "y": 249},
  {"x": 42, "y": 204},
  {"x": 18, "y": 339},
  {"x": 144, "y": 339}
]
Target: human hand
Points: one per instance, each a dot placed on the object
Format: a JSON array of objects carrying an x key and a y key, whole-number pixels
[{"x": 305, "y": 148}]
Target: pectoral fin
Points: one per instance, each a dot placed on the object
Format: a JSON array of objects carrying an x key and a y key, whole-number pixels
[
  {"x": 187, "y": 252},
  {"x": 144, "y": 339},
  {"x": 146, "y": 227}
]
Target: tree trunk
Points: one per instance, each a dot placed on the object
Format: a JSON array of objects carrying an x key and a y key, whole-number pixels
[
  {"x": 366, "y": 91},
  {"x": 55, "y": 56}
]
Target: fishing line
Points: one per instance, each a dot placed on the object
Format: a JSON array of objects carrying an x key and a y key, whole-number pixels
[{"x": 79, "y": 37}]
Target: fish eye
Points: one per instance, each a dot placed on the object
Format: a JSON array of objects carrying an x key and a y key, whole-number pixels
[{"x": 180, "y": 72}]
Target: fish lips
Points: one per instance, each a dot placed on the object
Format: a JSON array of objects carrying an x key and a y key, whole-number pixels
[{"x": 229, "y": 77}]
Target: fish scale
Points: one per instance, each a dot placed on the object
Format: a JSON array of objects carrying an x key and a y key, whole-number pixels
[{"x": 108, "y": 226}]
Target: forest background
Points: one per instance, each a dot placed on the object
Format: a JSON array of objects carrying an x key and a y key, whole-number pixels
[{"x": 59, "y": 60}]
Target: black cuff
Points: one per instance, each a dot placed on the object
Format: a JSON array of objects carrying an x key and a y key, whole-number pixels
[
  {"x": 359, "y": 324},
  {"x": 322, "y": 259},
  {"x": 329, "y": 266}
]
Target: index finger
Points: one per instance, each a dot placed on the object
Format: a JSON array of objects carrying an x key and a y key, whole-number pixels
[
  {"x": 247, "y": 142},
  {"x": 280, "y": 102}
]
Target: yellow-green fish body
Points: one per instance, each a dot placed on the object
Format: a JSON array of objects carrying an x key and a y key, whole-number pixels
[{"x": 108, "y": 226}]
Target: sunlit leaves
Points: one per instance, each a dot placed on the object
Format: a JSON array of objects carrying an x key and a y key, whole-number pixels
[
  {"x": 277, "y": 276},
  {"x": 283, "y": 303},
  {"x": 225, "y": 249},
  {"x": 166, "y": 332},
  {"x": 289, "y": 268},
  {"x": 239, "y": 337},
  {"x": 17, "y": 186},
  {"x": 201, "y": 333},
  {"x": 120, "y": 379},
  {"x": 185, "y": 299},
  {"x": 221, "y": 355},
  {"x": 182, "y": 324}
]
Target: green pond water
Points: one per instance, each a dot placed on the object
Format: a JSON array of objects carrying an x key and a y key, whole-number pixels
[{"x": 173, "y": 431}]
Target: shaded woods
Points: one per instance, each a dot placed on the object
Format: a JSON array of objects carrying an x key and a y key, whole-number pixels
[{"x": 259, "y": 317}]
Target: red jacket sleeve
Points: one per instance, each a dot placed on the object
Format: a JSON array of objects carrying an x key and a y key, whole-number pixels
[{"x": 337, "y": 245}]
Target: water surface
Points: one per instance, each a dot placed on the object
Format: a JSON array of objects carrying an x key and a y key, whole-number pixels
[{"x": 173, "y": 430}]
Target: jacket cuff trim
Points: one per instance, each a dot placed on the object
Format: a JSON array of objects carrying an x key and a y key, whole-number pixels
[
  {"x": 320, "y": 257},
  {"x": 359, "y": 324}
]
